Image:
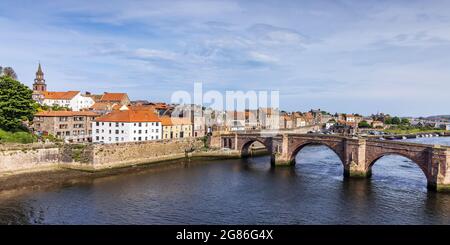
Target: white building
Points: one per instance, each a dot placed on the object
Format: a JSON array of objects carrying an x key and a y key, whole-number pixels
[
  {"x": 127, "y": 126},
  {"x": 71, "y": 99}
]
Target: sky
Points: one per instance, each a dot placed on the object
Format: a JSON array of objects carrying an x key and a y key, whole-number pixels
[{"x": 341, "y": 56}]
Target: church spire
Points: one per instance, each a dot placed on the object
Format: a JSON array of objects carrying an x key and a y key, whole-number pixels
[
  {"x": 39, "y": 71},
  {"x": 39, "y": 81}
]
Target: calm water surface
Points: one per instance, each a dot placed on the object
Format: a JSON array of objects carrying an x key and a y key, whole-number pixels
[{"x": 241, "y": 192}]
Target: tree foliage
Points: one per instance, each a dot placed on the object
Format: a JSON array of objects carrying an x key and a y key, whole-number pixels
[
  {"x": 16, "y": 103},
  {"x": 363, "y": 124}
]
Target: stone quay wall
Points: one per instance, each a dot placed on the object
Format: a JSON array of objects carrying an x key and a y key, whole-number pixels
[
  {"x": 16, "y": 159},
  {"x": 126, "y": 154},
  {"x": 28, "y": 158}
]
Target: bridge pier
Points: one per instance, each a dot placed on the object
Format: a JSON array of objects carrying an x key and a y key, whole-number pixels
[
  {"x": 355, "y": 165},
  {"x": 438, "y": 177}
]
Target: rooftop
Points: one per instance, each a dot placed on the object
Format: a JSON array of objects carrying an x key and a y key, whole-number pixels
[
  {"x": 129, "y": 116},
  {"x": 65, "y": 113},
  {"x": 60, "y": 95}
]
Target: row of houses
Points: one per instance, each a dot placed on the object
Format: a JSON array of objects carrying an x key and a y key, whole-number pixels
[{"x": 113, "y": 117}]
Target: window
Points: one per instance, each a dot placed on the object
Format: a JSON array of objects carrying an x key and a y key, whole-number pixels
[
  {"x": 152, "y": 137},
  {"x": 157, "y": 124},
  {"x": 145, "y": 138},
  {"x": 157, "y": 130},
  {"x": 123, "y": 124},
  {"x": 146, "y": 131},
  {"x": 97, "y": 138},
  {"x": 109, "y": 138},
  {"x": 97, "y": 131},
  {"x": 140, "y": 131},
  {"x": 103, "y": 138},
  {"x": 63, "y": 119},
  {"x": 110, "y": 124},
  {"x": 153, "y": 124},
  {"x": 134, "y": 138},
  {"x": 156, "y": 136},
  {"x": 117, "y": 131},
  {"x": 103, "y": 124},
  {"x": 110, "y": 131},
  {"x": 123, "y": 132},
  {"x": 139, "y": 138},
  {"x": 122, "y": 139},
  {"x": 117, "y": 124},
  {"x": 140, "y": 124},
  {"x": 97, "y": 124},
  {"x": 63, "y": 126},
  {"x": 134, "y": 131},
  {"x": 117, "y": 138}
]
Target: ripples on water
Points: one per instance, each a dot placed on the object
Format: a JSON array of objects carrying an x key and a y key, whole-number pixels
[{"x": 242, "y": 192}]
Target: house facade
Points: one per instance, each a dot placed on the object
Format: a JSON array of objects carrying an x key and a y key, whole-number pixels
[
  {"x": 176, "y": 128},
  {"x": 73, "y": 100},
  {"x": 126, "y": 126},
  {"x": 70, "y": 126}
]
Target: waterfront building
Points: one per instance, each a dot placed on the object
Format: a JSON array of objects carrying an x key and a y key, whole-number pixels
[
  {"x": 176, "y": 127},
  {"x": 127, "y": 125},
  {"x": 70, "y": 126}
]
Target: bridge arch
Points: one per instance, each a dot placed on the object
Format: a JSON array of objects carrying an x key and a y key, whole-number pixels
[
  {"x": 245, "y": 146},
  {"x": 418, "y": 162},
  {"x": 296, "y": 149}
]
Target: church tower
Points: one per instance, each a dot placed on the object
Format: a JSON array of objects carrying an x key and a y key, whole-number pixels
[{"x": 39, "y": 81}]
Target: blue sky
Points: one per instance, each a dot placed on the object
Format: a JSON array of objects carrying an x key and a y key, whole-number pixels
[{"x": 341, "y": 56}]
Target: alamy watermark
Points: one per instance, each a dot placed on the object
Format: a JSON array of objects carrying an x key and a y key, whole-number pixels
[{"x": 234, "y": 111}]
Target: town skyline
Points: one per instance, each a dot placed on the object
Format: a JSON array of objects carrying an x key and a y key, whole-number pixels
[{"x": 372, "y": 57}]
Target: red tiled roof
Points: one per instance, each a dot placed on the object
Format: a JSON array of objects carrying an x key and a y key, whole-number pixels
[
  {"x": 129, "y": 116},
  {"x": 114, "y": 97},
  {"x": 60, "y": 95},
  {"x": 65, "y": 113},
  {"x": 103, "y": 106},
  {"x": 169, "y": 121}
]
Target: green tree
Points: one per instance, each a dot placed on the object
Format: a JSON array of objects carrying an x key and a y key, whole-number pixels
[
  {"x": 363, "y": 124},
  {"x": 388, "y": 120},
  {"x": 405, "y": 121},
  {"x": 396, "y": 120},
  {"x": 16, "y": 103}
]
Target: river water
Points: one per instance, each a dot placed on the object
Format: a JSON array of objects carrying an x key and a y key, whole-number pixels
[{"x": 241, "y": 191}]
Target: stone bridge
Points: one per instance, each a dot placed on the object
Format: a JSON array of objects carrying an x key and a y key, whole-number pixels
[{"x": 357, "y": 155}]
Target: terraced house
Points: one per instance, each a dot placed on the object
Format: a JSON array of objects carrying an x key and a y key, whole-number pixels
[
  {"x": 70, "y": 126},
  {"x": 175, "y": 127}
]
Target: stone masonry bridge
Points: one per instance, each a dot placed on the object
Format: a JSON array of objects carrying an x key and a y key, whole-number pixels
[{"x": 357, "y": 154}]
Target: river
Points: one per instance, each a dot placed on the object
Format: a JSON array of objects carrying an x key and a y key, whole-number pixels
[{"x": 240, "y": 191}]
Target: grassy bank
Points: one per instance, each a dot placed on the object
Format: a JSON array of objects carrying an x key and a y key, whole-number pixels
[
  {"x": 414, "y": 131},
  {"x": 22, "y": 137}
]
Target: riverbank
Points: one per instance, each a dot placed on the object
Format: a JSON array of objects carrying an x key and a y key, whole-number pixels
[{"x": 63, "y": 176}]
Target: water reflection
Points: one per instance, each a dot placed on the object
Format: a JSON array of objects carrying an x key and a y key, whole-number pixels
[{"x": 238, "y": 191}]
